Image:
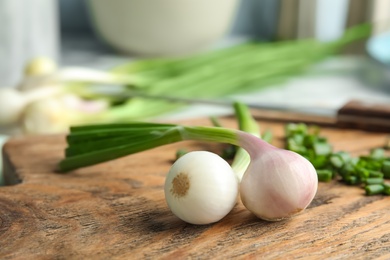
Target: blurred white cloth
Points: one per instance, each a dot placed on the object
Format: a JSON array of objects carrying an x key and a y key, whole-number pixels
[{"x": 28, "y": 29}]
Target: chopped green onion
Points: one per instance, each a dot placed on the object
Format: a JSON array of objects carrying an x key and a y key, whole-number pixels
[
  {"x": 351, "y": 180},
  {"x": 377, "y": 154},
  {"x": 376, "y": 174},
  {"x": 324, "y": 175},
  {"x": 366, "y": 169},
  {"x": 293, "y": 129},
  {"x": 363, "y": 173},
  {"x": 322, "y": 148},
  {"x": 180, "y": 153},
  {"x": 267, "y": 136},
  {"x": 386, "y": 187},
  {"x": 319, "y": 162},
  {"x": 386, "y": 169},
  {"x": 336, "y": 161},
  {"x": 371, "y": 181},
  {"x": 374, "y": 189}
]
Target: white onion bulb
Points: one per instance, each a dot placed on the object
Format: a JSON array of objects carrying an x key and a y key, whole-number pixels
[{"x": 201, "y": 188}]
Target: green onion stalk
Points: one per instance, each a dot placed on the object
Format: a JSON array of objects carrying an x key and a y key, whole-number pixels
[
  {"x": 91, "y": 144},
  {"x": 247, "y": 124},
  {"x": 88, "y": 145},
  {"x": 239, "y": 69}
]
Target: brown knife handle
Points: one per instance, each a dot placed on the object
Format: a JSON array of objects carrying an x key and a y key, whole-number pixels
[{"x": 365, "y": 116}]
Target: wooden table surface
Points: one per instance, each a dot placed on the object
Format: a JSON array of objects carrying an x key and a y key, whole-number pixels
[{"x": 116, "y": 210}]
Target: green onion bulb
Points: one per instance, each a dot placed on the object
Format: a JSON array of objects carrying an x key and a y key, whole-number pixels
[
  {"x": 278, "y": 183},
  {"x": 201, "y": 188}
]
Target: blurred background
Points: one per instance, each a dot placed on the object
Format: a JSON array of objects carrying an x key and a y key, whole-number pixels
[{"x": 40, "y": 37}]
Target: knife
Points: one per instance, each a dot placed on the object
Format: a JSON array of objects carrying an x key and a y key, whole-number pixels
[{"x": 354, "y": 114}]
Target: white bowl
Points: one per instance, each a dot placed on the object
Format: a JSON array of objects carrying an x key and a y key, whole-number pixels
[{"x": 161, "y": 27}]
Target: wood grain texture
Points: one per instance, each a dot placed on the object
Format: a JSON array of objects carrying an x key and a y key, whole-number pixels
[{"x": 116, "y": 210}]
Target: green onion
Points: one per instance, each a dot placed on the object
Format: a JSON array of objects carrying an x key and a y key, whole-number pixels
[
  {"x": 375, "y": 174},
  {"x": 267, "y": 170},
  {"x": 374, "y": 189},
  {"x": 336, "y": 161},
  {"x": 351, "y": 180},
  {"x": 377, "y": 180},
  {"x": 386, "y": 169},
  {"x": 362, "y": 173},
  {"x": 386, "y": 187},
  {"x": 180, "y": 153},
  {"x": 324, "y": 175},
  {"x": 322, "y": 148},
  {"x": 239, "y": 69},
  {"x": 377, "y": 154}
]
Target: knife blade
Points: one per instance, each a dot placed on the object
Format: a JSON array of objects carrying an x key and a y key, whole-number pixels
[{"x": 353, "y": 114}]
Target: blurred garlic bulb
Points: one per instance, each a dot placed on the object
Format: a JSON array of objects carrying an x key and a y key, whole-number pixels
[
  {"x": 13, "y": 101},
  {"x": 55, "y": 115}
]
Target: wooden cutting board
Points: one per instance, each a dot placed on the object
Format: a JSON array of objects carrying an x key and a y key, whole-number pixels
[{"x": 116, "y": 210}]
